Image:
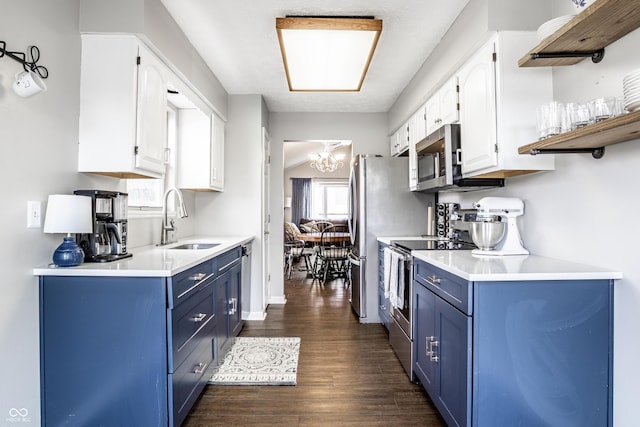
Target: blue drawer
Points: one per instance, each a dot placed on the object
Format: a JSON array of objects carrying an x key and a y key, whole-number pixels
[
  {"x": 189, "y": 380},
  {"x": 191, "y": 322},
  {"x": 453, "y": 289},
  {"x": 182, "y": 285},
  {"x": 228, "y": 260}
]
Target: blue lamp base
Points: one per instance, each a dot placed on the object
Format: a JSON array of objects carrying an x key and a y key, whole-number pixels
[{"x": 68, "y": 254}]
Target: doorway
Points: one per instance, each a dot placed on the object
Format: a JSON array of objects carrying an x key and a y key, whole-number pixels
[{"x": 326, "y": 194}]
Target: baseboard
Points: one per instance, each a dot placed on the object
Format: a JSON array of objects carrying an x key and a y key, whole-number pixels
[
  {"x": 254, "y": 315},
  {"x": 278, "y": 300}
]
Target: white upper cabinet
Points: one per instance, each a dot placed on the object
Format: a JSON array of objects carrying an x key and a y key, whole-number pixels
[
  {"x": 123, "y": 99},
  {"x": 399, "y": 141},
  {"x": 200, "y": 140},
  {"x": 498, "y": 102},
  {"x": 442, "y": 107}
]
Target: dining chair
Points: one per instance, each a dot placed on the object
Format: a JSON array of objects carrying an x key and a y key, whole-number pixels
[
  {"x": 332, "y": 254},
  {"x": 295, "y": 249}
]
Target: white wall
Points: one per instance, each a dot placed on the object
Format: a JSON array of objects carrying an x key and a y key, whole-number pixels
[
  {"x": 40, "y": 138},
  {"x": 237, "y": 211},
  {"x": 368, "y": 133},
  {"x": 584, "y": 210}
]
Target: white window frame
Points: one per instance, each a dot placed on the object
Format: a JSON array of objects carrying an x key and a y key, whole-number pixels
[{"x": 322, "y": 185}]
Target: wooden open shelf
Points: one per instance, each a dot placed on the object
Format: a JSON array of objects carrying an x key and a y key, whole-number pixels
[
  {"x": 596, "y": 27},
  {"x": 607, "y": 132}
]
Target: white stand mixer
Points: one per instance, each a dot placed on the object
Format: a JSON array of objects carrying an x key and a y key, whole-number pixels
[{"x": 508, "y": 208}]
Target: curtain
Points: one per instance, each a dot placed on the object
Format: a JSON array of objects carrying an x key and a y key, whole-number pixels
[{"x": 300, "y": 199}]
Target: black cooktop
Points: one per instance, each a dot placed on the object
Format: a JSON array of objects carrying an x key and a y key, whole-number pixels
[{"x": 428, "y": 245}]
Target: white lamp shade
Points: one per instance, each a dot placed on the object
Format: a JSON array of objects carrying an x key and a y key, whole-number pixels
[
  {"x": 68, "y": 214},
  {"x": 287, "y": 202}
]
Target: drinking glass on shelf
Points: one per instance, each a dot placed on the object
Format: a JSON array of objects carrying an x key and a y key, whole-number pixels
[
  {"x": 556, "y": 112},
  {"x": 601, "y": 109},
  {"x": 542, "y": 121},
  {"x": 579, "y": 115}
]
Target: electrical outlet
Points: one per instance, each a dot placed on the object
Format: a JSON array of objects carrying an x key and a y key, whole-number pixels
[{"x": 33, "y": 214}]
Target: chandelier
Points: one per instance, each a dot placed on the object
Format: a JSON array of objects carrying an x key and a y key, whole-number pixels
[{"x": 325, "y": 161}]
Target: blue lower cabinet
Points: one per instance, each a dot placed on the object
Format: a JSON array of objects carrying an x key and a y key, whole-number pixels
[
  {"x": 524, "y": 353},
  {"x": 103, "y": 351},
  {"x": 134, "y": 351}
]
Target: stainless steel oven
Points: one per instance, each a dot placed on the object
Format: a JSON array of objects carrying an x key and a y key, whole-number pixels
[{"x": 401, "y": 320}]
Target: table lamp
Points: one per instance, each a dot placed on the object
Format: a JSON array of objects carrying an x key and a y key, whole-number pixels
[{"x": 68, "y": 214}]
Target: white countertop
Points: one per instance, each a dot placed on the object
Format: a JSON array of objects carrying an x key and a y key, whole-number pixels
[
  {"x": 387, "y": 240},
  {"x": 464, "y": 264},
  {"x": 151, "y": 261}
]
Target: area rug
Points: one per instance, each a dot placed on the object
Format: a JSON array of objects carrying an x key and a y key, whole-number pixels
[{"x": 259, "y": 361}]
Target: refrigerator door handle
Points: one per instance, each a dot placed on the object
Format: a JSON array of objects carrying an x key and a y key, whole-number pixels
[
  {"x": 353, "y": 211},
  {"x": 353, "y": 259}
]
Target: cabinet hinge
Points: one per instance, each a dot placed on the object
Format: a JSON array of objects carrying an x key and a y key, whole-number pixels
[
  {"x": 458, "y": 106},
  {"x": 494, "y": 57},
  {"x": 136, "y": 149},
  {"x": 138, "y": 60},
  {"x": 496, "y": 148}
]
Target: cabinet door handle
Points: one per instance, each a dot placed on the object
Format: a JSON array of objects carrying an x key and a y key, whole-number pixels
[
  {"x": 434, "y": 280},
  {"x": 199, "y": 317},
  {"x": 200, "y": 368},
  {"x": 431, "y": 352},
  {"x": 233, "y": 302}
]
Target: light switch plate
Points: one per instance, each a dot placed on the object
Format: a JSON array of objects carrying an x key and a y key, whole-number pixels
[{"x": 33, "y": 214}]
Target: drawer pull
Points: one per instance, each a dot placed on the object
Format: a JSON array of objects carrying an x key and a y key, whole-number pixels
[
  {"x": 197, "y": 277},
  {"x": 199, "y": 317},
  {"x": 200, "y": 277},
  {"x": 434, "y": 280},
  {"x": 200, "y": 368}
]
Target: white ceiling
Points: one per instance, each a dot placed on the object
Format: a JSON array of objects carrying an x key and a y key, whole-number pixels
[{"x": 238, "y": 40}]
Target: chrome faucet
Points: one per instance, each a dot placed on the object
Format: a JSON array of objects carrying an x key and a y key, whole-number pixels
[{"x": 168, "y": 225}]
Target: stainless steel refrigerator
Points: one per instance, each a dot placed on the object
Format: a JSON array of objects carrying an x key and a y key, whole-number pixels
[{"x": 380, "y": 205}]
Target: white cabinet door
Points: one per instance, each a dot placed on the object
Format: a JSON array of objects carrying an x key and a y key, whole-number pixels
[
  {"x": 403, "y": 140},
  {"x": 477, "y": 81},
  {"x": 394, "y": 144},
  {"x": 449, "y": 106},
  {"x": 122, "y": 123},
  {"x": 194, "y": 149},
  {"x": 152, "y": 112},
  {"x": 217, "y": 153},
  {"x": 442, "y": 107},
  {"x": 417, "y": 127},
  {"x": 432, "y": 110}
]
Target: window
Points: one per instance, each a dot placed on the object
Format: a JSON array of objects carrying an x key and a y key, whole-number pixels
[
  {"x": 146, "y": 194},
  {"x": 330, "y": 199}
]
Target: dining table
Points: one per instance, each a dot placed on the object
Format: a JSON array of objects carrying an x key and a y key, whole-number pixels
[{"x": 315, "y": 237}]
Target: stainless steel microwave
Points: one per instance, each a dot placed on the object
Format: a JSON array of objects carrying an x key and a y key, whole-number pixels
[{"x": 439, "y": 163}]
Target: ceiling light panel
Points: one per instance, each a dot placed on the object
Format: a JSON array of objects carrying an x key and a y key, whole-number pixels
[{"x": 327, "y": 54}]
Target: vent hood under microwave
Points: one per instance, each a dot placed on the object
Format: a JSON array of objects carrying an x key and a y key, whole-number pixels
[{"x": 439, "y": 164}]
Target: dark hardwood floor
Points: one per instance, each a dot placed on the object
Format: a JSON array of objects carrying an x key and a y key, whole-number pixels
[{"x": 348, "y": 375}]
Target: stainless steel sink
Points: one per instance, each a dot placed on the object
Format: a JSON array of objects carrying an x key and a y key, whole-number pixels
[{"x": 196, "y": 246}]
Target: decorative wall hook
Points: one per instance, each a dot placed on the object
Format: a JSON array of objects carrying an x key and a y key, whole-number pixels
[{"x": 28, "y": 60}]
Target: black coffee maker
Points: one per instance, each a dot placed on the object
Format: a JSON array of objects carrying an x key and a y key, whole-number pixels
[{"x": 108, "y": 241}]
